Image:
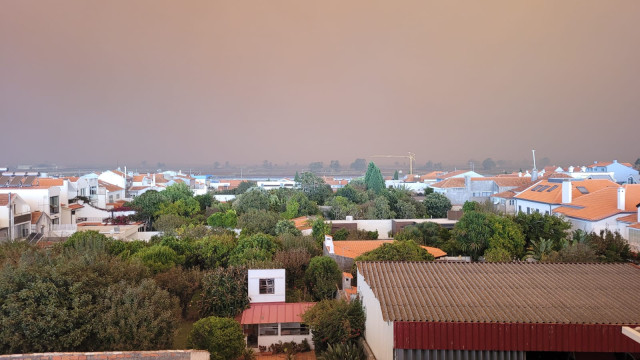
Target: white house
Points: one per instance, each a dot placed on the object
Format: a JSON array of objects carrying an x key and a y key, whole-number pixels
[
  {"x": 623, "y": 173},
  {"x": 277, "y": 184},
  {"x": 42, "y": 194},
  {"x": 115, "y": 177},
  {"x": 608, "y": 208},
  {"x": 15, "y": 217},
  {"x": 546, "y": 195},
  {"x": 269, "y": 319}
]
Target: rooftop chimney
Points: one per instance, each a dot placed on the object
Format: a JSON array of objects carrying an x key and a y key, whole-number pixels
[
  {"x": 571, "y": 169},
  {"x": 566, "y": 192},
  {"x": 534, "y": 174},
  {"x": 621, "y": 198},
  {"x": 328, "y": 244}
]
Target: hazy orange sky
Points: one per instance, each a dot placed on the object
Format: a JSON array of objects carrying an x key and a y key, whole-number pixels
[{"x": 193, "y": 82}]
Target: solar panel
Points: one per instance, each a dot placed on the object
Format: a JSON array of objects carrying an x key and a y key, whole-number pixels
[
  {"x": 545, "y": 187},
  {"x": 582, "y": 189},
  {"x": 15, "y": 181},
  {"x": 28, "y": 181},
  {"x": 553, "y": 188},
  {"x": 536, "y": 188}
]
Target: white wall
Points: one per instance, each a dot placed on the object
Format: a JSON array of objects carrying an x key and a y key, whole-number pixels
[
  {"x": 113, "y": 178},
  {"x": 382, "y": 226},
  {"x": 266, "y": 340},
  {"x": 378, "y": 333},
  {"x": 534, "y": 206},
  {"x": 596, "y": 226},
  {"x": 254, "y": 277},
  {"x": 38, "y": 199}
]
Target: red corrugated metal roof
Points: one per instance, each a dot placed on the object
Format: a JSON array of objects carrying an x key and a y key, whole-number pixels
[
  {"x": 512, "y": 337},
  {"x": 269, "y": 313}
]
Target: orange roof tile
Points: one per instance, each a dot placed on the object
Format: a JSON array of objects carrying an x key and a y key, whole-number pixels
[
  {"x": 632, "y": 218},
  {"x": 431, "y": 176},
  {"x": 138, "y": 178},
  {"x": 635, "y": 226},
  {"x": 48, "y": 182},
  {"x": 269, "y": 313},
  {"x": 118, "y": 172},
  {"x": 355, "y": 248},
  {"x": 72, "y": 178},
  {"x": 451, "y": 174},
  {"x": 602, "y": 203},
  {"x": 108, "y": 186},
  {"x": 4, "y": 199},
  {"x": 75, "y": 206},
  {"x": 506, "y": 181},
  {"x": 302, "y": 223},
  {"x": 449, "y": 183},
  {"x": 348, "y": 275},
  {"x": 505, "y": 194},
  {"x": 555, "y": 196},
  {"x": 35, "y": 216},
  {"x": 137, "y": 188}
]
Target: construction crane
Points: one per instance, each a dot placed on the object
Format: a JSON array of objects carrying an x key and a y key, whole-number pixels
[{"x": 411, "y": 156}]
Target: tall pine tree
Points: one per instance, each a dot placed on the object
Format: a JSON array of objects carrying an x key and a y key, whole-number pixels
[{"x": 373, "y": 178}]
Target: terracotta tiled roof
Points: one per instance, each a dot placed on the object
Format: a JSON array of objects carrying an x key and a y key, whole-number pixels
[
  {"x": 138, "y": 188},
  {"x": 160, "y": 179},
  {"x": 635, "y": 226},
  {"x": 118, "y": 172},
  {"x": 269, "y": 313},
  {"x": 354, "y": 248},
  {"x": 4, "y": 199},
  {"x": 75, "y": 206},
  {"x": 505, "y": 292},
  {"x": 431, "y": 176},
  {"x": 599, "y": 164},
  {"x": 507, "y": 181},
  {"x": 138, "y": 178},
  {"x": 554, "y": 196},
  {"x": 451, "y": 174},
  {"x": 72, "y": 178},
  {"x": 348, "y": 275},
  {"x": 632, "y": 218},
  {"x": 48, "y": 182},
  {"x": 302, "y": 223},
  {"x": 35, "y": 216},
  {"x": 108, "y": 186},
  {"x": 558, "y": 176},
  {"x": 601, "y": 204},
  {"x": 449, "y": 183},
  {"x": 505, "y": 194}
]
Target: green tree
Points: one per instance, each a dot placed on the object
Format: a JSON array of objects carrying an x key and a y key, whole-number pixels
[
  {"x": 159, "y": 258},
  {"x": 354, "y": 195},
  {"x": 380, "y": 209},
  {"x": 425, "y": 233},
  {"x": 138, "y": 317},
  {"x": 221, "y": 337},
  {"x": 437, "y": 205},
  {"x": 295, "y": 262},
  {"x": 341, "y": 208},
  {"x": 359, "y": 165},
  {"x": 254, "y": 247},
  {"x": 205, "y": 201},
  {"x": 506, "y": 239},
  {"x": 319, "y": 229},
  {"x": 335, "y": 165},
  {"x": 287, "y": 227},
  {"x": 181, "y": 283},
  {"x": 258, "y": 221},
  {"x": 244, "y": 186},
  {"x": 322, "y": 277},
  {"x": 396, "y": 175},
  {"x": 609, "y": 246},
  {"x": 397, "y": 251},
  {"x": 315, "y": 167},
  {"x": 335, "y": 322},
  {"x": 488, "y": 164},
  {"x": 471, "y": 206},
  {"x": 148, "y": 204},
  {"x": 255, "y": 198},
  {"x": 178, "y": 191},
  {"x": 211, "y": 252},
  {"x": 224, "y": 292},
  {"x": 292, "y": 208},
  {"x": 314, "y": 187},
  {"x": 472, "y": 233},
  {"x": 637, "y": 163},
  {"x": 187, "y": 207},
  {"x": 537, "y": 226},
  {"x": 227, "y": 219},
  {"x": 373, "y": 178},
  {"x": 168, "y": 223}
]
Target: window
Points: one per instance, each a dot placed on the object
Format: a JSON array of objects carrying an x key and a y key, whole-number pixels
[
  {"x": 294, "y": 329},
  {"x": 519, "y": 208},
  {"x": 511, "y": 202},
  {"x": 54, "y": 205},
  {"x": 110, "y": 198},
  {"x": 117, "y": 196},
  {"x": 528, "y": 210},
  {"x": 93, "y": 190},
  {"x": 83, "y": 192},
  {"x": 268, "y": 329},
  {"x": 55, "y": 221},
  {"x": 267, "y": 286}
]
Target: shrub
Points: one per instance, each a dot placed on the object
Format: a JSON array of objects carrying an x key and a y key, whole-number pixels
[
  {"x": 322, "y": 277},
  {"x": 344, "y": 351},
  {"x": 335, "y": 321},
  {"x": 159, "y": 258},
  {"x": 222, "y": 337}
]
